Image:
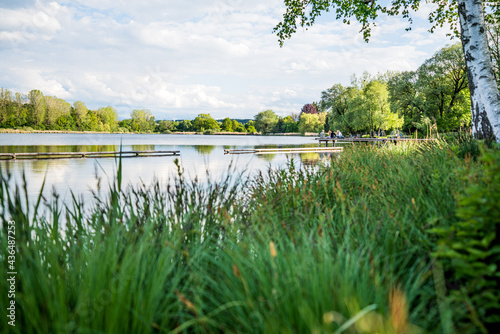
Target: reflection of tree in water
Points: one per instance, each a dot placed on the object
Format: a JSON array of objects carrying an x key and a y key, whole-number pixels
[
  {"x": 59, "y": 148},
  {"x": 310, "y": 158},
  {"x": 267, "y": 157},
  {"x": 270, "y": 146},
  {"x": 97, "y": 148},
  {"x": 313, "y": 158},
  {"x": 204, "y": 149},
  {"x": 143, "y": 147},
  {"x": 40, "y": 166}
]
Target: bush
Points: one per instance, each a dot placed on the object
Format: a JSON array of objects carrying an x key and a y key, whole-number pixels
[
  {"x": 470, "y": 249},
  {"x": 122, "y": 130}
]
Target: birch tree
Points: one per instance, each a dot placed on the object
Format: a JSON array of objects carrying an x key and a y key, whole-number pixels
[
  {"x": 466, "y": 19},
  {"x": 484, "y": 94}
]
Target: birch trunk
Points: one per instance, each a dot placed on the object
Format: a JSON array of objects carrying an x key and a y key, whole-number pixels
[{"x": 485, "y": 98}]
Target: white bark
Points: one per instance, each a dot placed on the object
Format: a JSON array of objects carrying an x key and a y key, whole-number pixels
[{"x": 485, "y": 98}]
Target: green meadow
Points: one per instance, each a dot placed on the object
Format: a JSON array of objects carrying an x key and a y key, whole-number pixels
[{"x": 396, "y": 239}]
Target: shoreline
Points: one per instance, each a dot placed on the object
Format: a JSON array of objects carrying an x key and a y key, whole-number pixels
[{"x": 18, "y": 131}]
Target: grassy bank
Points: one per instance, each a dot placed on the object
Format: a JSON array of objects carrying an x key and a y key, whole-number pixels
[{"x": 352, "y": 247}]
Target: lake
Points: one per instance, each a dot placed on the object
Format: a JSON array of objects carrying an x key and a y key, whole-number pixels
[{"x": 198, "y": 154}]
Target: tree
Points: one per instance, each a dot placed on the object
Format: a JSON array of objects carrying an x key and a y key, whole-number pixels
[
  {"x": 322, "y": 119},
  {"x": 94, "y": 121},
  {"x": 436, "y": 91},
  {"x": 5, "y": 106},
  {"x": 38, "y": 107},
  {"x": 250, "y": 126},
  {"x": 493, "y": 32},
  {"x": 184, "y": 125},
  {"x": 309, "y": 123},
  {"x": 80, "y": 112},
  {"x": 227, "y": 125},
  {"x": 56, "y": 109},
  {"x": 109, "y": 119},
  {"x": 485, "y": 96},
  {"x": 289, "y": 125},
  {"x": 335, "y": 99},
  {"x": 442, "y": 80},
  {"x": 308, "y": 109},
  {"x": 404, "y": 98},
  {"x": 376, "y": 105},
  {"x": 142, "y": 120},
  {"x": 205, "y": 122},
  {"x": 279, "y": 127},
  {"x": 265, "y": 121},
  {"x": 166, "y": 126},
  {"x": 238, "y": 127},
  {"x": 21, "y": 110},
  {"x": 343, "y": 105}
]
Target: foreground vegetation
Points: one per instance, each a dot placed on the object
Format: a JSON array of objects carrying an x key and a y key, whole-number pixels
[{"x": 397, "y": 239}]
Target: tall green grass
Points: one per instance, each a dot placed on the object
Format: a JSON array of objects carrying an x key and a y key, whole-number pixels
[{"x": 344, "y": 247}]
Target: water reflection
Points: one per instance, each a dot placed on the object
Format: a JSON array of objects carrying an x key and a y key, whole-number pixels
[
  {"x": 57, "y": 148},
  {"x": 309, "y": 158},
  {"x": 198, "y": 154},
  {"x": 204, "y": 149},
  {"x": 143, "y": 148},
  {"x": 266, "y": 157}
]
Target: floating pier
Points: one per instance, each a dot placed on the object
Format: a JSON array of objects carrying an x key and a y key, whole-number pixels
[
  {"x": 74, "y": 155},
  {"x": 285, "y": 150}
]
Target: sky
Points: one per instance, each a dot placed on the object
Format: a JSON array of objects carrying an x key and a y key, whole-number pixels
[{"x": 181, "y": 58}]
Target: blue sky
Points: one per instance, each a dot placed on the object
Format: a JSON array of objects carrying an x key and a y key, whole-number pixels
[{"x": 181, "y": 58}]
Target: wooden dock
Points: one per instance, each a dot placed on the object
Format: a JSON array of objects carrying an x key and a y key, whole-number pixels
[
  {"x": 368, "y": 140},
  {"x": 74, "y": 155},
  {"x": 285, "y": 150}
]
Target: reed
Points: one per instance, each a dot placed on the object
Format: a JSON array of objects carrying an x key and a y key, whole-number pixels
[{"x": 343, "y": 247}]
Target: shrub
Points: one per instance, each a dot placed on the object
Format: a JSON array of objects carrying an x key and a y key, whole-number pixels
[{"x": 471, "y": 248}]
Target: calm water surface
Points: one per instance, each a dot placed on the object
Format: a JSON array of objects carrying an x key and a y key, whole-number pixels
[{"x": 198, "y": 154}]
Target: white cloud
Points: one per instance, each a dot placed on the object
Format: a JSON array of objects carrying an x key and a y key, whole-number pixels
[{"x": 187, "y": 57}]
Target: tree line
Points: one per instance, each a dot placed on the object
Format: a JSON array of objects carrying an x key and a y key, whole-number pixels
[
  {"x": 435, "y": 97},
  {"x": 475, "y": 22},
  {"x": 40, "y": 112}
]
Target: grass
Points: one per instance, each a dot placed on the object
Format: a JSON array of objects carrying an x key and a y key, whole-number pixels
[{"x": 343, "y": 248}]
